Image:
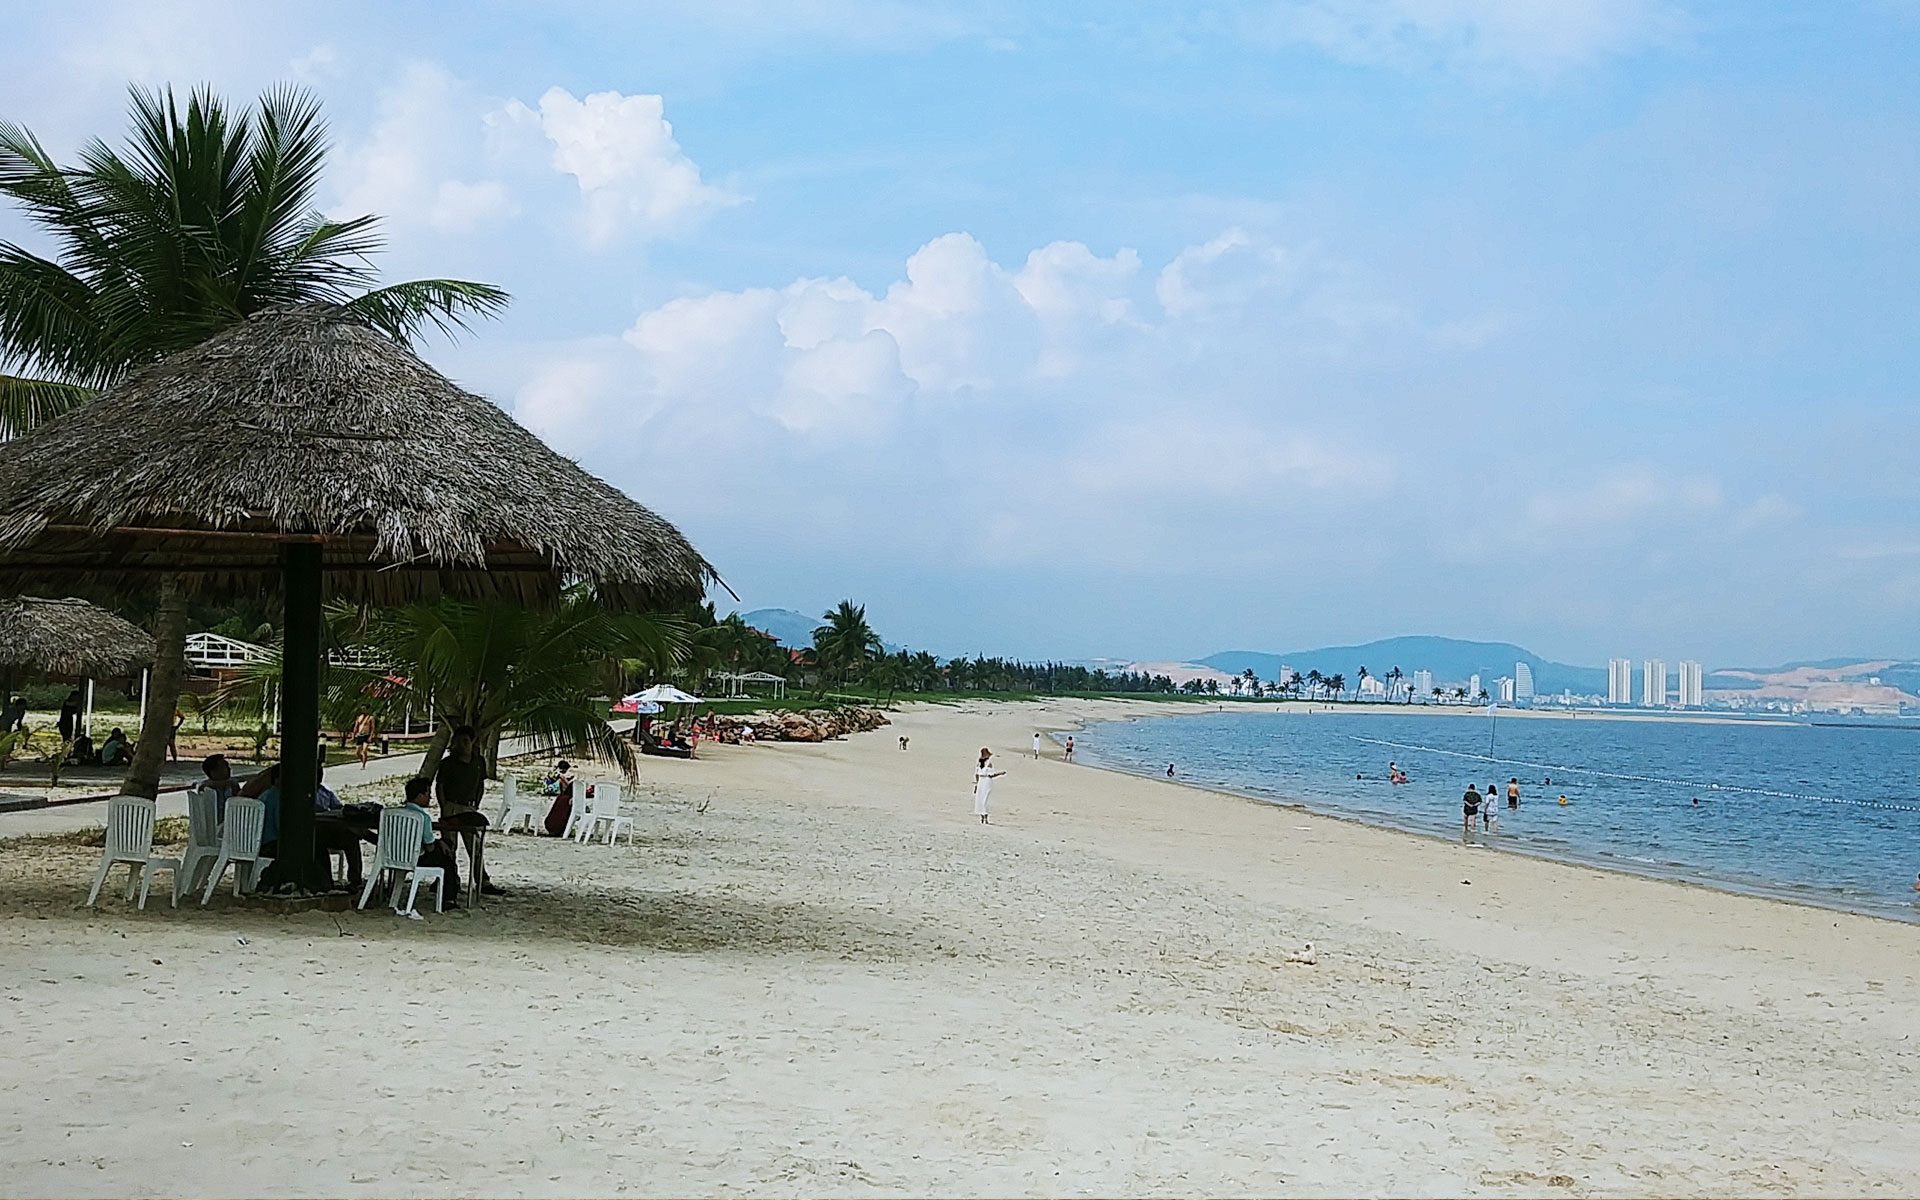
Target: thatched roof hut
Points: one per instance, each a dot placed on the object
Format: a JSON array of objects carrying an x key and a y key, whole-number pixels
[
  {"x": 306, "y": 423},
  {"x": 70, "y": 637}
]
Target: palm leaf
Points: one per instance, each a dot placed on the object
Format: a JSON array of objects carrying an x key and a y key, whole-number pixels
[{"x": 25, "y": 403}]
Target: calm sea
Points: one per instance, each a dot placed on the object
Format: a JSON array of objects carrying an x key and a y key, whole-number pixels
[{"x": 1817, "y": 814}]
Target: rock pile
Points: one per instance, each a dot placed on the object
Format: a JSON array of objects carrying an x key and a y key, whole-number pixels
[{"x": 813, "y": 725}]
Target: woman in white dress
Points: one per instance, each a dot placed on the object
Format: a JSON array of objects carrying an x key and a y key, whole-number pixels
[{"x": 983, "y": 777}]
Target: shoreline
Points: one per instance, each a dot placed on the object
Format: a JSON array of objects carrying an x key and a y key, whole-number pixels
[
  {"x": 817, "y": 973},
  {"x": 1705, "y": 881}
]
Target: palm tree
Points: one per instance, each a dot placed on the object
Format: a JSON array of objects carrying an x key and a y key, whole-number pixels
[
  {"x": 501, "y": 667},
  {"x": 1336, "y": 685},
  {"x": 1393, "y": 684},
  {"x": 845, "y": 642},
  {"x": 1314, "y": 680},
  {"x": 206, "y": 217},
  {"x": 1362, "y": 686}
]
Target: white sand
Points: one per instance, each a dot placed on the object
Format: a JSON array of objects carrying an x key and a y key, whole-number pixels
[{"x": 835, "y": 981}]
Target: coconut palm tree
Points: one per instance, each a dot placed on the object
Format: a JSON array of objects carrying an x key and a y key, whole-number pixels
[
  {"x": 502, "y": 667},
  {"x": 1336, "y": 685},
  {"x": 845, "y": 642},
  {"x": 206, "y": 216}
]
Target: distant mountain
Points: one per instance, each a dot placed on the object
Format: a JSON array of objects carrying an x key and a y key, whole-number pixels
[
  {"x": 791, "y": 629},
  {"x": 1451, "y": 660}
]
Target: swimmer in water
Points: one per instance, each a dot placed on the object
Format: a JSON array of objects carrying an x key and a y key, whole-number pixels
[
  {"x": 1169, "y": 770},
  {"x": 1563, "y": 799}
]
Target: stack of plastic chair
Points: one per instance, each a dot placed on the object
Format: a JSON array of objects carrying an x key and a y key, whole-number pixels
[
  {"x": 514, "y": 806},
  {"x": 603, "y": 808},
  {"x": 130, "y": 840},
  {"x": 403, "y": 832},
  {"x": 203, "y": 840},
  {"x": 240, "y": 847}
]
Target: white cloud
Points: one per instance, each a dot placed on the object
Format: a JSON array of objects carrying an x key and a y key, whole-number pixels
[
  {"x": 1533, "y": 37},
  {"x": 633, "y": 177},
  {"x": 405, "y": 171}
]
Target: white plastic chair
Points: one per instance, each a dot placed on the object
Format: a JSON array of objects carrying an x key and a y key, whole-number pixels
[
  {"x": 603, "y": 808},
  {"x": 403, "y": 832},
  {"x": 130, "y": 840},
  {"x": 240, "y": 846},
  {"x": 203, "y": 839},
  {"x": 514, "y": 806}
]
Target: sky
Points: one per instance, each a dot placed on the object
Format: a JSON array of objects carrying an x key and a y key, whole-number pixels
[{"x": 1152, "y": 330}]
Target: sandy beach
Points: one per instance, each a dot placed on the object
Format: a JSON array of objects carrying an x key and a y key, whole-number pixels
[{"x": 816, "y": 973}]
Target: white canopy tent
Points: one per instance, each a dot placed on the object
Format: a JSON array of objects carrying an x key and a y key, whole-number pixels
[
  {"x": 736, "y": 683},
  {"x": 665, "y": 693}
]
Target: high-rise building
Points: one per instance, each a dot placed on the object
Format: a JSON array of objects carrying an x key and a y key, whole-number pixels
[
  {"x": 1506, "y": 689},
  {"x": 1522, "y": 681},
  {"x": 1473, "y": 686},
  {"x": 1423, "y": 685},
  {"x": 1653, "y": 683},
  {"x": 1690, "y": 680},
  {"x": 1619, "y": 681}
]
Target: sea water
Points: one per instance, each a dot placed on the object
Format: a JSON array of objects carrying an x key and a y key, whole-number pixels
[{"x": 1819, "y": 814}]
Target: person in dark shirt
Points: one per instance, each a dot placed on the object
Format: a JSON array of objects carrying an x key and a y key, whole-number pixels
[
  {"x": 460, "y": 784},
  {"x": 70, "y": 716},
  {"x": 1470, "y": 806}
]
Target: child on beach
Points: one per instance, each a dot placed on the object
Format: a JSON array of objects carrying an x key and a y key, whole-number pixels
[
  {"x": 1036, "y": 745},
  {"x": 983, "y": 777}
]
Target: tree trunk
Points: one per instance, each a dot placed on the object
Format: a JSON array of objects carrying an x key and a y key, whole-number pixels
[
  {"x": 436, "y": 749},
  {"x": 163, "y": 693},
  {"x": 490, "y": 748}
]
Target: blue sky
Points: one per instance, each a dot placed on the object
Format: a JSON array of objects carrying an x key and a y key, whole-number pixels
[{"x": 1149, "y": 331}]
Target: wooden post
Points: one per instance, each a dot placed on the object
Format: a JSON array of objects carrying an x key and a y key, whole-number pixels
[{"x": 300, "y": 750}]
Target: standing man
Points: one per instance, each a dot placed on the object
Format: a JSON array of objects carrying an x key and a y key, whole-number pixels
[
  {"x": 70, "y": 715},
  {"x": 363, "y": 730},
  {"x": 1470, "y": 808},
  {"x": 1069, "y": 754},
  {"x": 1513, "y": 793},
  {"x": 460, "y": 784}
]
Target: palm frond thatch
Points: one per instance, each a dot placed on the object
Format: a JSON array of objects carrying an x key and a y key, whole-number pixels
[
  {"x": 70, "y": 637},
  {"x": 306, "y": 421}
]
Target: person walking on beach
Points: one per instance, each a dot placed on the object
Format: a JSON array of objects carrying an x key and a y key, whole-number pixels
[
  {"x": 1513, "y": 792},
  {"x": 1069, "y": 754},
  {"x": 1470, "y": 807},
  {"x": 983, "y": 777},
  {"x": 1036, "y": 744},
  {"x": 363, "y": 728}
]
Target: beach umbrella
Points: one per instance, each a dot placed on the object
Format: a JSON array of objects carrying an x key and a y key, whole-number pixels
[
  {"x": 634, "y": 704},
  {"x": 666, "y": 693},
  {"x": 70, "y": 637},
  {"x": 302, "y": 452},
  {"x": 73, "y": 638}
]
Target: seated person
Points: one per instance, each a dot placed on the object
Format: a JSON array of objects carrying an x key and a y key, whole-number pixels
[
  {"x": 115, "y": 749},
  {"x": 220, "y": 782},
  {"x": 328, "y": 836},
  {"x": 434, "y": 850},
  {"x": 81, "y": 753},
  {"x": 561, "y": 785}
]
